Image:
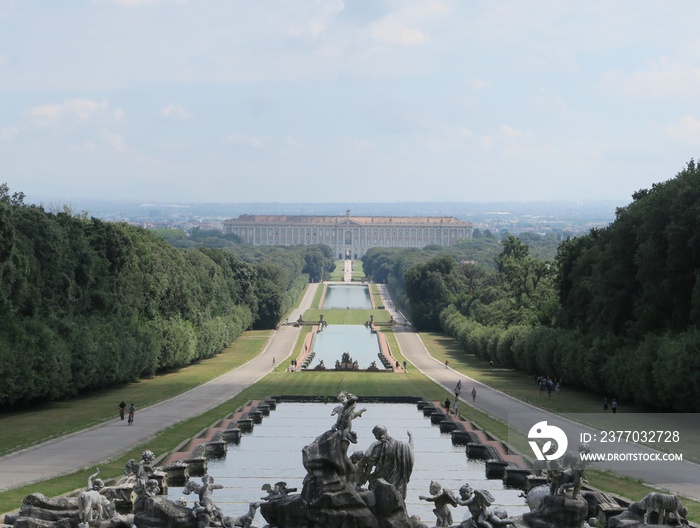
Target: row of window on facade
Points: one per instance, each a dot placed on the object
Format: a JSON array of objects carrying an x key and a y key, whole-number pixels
[{"x": 294, "y": 231}]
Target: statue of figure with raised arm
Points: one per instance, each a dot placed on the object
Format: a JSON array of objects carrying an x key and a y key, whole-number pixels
[{"x": 346, "y": 414}]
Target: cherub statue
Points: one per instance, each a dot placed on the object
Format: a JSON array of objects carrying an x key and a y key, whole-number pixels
[
  {"x": 277, "y": 492},
  {"x": 205, "y": 510},
  {"x": 443, "y": 499},
  {"x": 483, "y": 516}
]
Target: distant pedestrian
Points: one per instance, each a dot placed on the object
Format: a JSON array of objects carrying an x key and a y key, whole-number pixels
[
  {"x": 455, "y": 407},
  {"x": 404, "y": 366},
  {"x": 458, "y": 388},
  {"x": 122, "y": 409},
  {"x": 447, "y": 404},
  {"x": 273, "y": 362},
  {"x": 605, "y": 405},
  {"x": 447, "y": 363},
  {"x": 613, "y": 406},
  {"x": 491, "y": 363},
  {"x": 132, "y": 411},
  {"x": 474, "y": 394}
]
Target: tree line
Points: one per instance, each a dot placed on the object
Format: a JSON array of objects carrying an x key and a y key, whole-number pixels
[
  {"x": 86, "y": 304},
  {"x": 615, "y": 311}
]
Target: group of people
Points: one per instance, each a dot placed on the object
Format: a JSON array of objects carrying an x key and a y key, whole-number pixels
[
  {"x": 122, "y": 411},
  {"x": 454, "y": 407},
  {"x": 548, "y": 385},
  {"x": 612, "y": 405}
]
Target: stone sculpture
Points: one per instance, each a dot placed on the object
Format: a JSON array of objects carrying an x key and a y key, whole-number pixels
[
  {"x": 654, "y": 509},
  {"x": 92, "y": 505},
  {"x": 332, "y": 495},
  {"x": 144, "y": 487},
  {"x": 392, "y": 460},
  {"x": 482, "y": 515},
  {"x": 245, "y": 521},
  {"x": 561, "y": 504},
  {"x": 443, "y": 499},
  {"x": 277, "y": 491},
  {"x": 204, "y": 509},
  {"x": 346, "y": 414}
]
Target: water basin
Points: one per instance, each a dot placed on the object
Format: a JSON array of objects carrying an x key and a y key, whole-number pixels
[
  {"x": 272, "y": 453},
  {"x": 347, "y": 296},
  {"x": 334, "y": 340}
]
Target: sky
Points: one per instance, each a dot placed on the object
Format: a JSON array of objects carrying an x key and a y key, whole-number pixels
[{"x": 298, "y": 101}]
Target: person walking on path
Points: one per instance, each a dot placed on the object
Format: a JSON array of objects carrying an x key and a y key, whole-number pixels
[
  {"x": 613, "y": 406},
  {"x": 458, "y": 388},
  {"x": 605, "y": 405},
  {"x": 446, "y": 404},
  {"x": 404, "y": 366},
  {"x": 132, "y": 410},
  {"x": 455, "y": 407},
  {"x": 447, "y": 363},
  {"x": 473, "y": 394},
  {"x": 122, "y": 409}
]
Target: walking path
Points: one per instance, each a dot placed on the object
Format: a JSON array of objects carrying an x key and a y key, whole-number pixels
[{"x": 92, "y": 446}]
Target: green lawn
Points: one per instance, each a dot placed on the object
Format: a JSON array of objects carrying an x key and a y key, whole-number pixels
[
  {"x": 350, "y": 317},
  {"x": 339, "y": 273}
]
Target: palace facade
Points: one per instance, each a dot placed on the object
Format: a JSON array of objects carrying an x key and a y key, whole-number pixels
[{"x": 349, "y": 236}]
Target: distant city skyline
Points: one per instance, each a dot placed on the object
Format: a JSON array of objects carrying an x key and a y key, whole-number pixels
[{"x": 295, "y": 101}]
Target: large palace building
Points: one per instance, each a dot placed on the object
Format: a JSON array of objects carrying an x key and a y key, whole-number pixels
[{"x": 349, "y": 236}]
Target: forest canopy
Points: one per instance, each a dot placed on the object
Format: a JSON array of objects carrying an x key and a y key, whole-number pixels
[
  {"x": 86, "y": 304},
  {"x": 615, "y": 311}
]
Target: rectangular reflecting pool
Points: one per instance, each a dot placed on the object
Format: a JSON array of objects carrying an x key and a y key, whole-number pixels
[
  {"x": 347, "y": 296},
  {"x": 358, "y": 340},
  {"x": 272, "y": 453}
]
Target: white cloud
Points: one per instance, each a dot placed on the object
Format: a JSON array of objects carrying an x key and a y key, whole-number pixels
[
  {"x": 551, "y": 104},
  {"x": 114, "y": 141},
  {"x": 687, "y": 129},
  {"x": 362, "y": 145},
  {"x": 661, "y": 78},
  {"x": 73, "y": 111},
  {"x": 510, "y": 133},
  {"x": 295, "y": 144},
  {"x": 173, "y": 111},
  {"x": 393, "y": 31},
  {"x": 8, "y": 133},
  {"x": 478, "y": 84},
  {"x": 238, "y": 138},
  {"x": 314, "y": 18}
]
